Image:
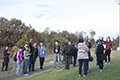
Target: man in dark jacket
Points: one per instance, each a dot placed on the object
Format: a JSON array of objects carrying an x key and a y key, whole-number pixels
[
  {"x": 67, "y": 56},
  {"x": 6, "y": 58},
  {"x": 34, "y": 54},
  {"x": 70, "y": 45},
  {"x": 57, "y": 53},
  {"x": 74, "y": 55}
]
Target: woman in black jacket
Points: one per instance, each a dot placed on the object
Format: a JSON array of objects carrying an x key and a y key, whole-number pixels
[{"x": 100, "y": 55}]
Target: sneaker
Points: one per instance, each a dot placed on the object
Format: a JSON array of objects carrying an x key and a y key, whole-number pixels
[
  {"x": 79, "y": 75},
  {"x": 54, "y": 67},
  {"x": 105, "y": 63},
  {"x": 18, "y": 74},
  {"x": 26, "y": 74},
  {"x": 100, "y": 71},
  {"x": 85, "y": 75},
  {"x": 108, "y": 63}
]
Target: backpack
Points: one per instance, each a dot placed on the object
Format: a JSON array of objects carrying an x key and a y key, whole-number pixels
[
  {"x": 68, "y": 50},
  {"x": 15, "y": 57}
]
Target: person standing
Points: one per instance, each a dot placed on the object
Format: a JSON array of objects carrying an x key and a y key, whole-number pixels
[
  {"x": 26, "y": 60},
  {"x": 42, "y": 54},
  {"x": 15, "y": 49},
  {"x": 100, "y": 55},
  {"x": 107, "y": 49},
  {"x": 57, "y": 53},
  {"x": 6, "y": 59},
  {"x": 89, "y": 54},
  {"x": 82, "y": 57},
  {"x": 74, "y": 55},
  {"x": 66, "y": 52},
  {"x": 23, "y": 56},
  {"x": 70, "y": 45},
  {"x": 19, "y": 61},
  {"x": 34, "y": 54}
]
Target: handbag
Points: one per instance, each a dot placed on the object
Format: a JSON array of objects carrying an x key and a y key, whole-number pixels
[{"x": 91, "y": 59}]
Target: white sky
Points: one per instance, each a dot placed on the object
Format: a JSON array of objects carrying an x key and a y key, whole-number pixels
[{"x": 71, "y": 15}]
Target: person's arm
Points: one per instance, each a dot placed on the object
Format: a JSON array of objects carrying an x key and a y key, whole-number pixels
[
  {"x": 45, "y": 52},
  {"x": 89, "y": 45},
  {"x": 103, "y": 40}
]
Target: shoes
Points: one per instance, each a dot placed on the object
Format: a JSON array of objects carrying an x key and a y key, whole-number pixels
[
  {"x": 108, "y": 63},
  {"x": 26, "y": 74},
  {"x": 85, "y": 75},
  {"x": 54, "y": 67},
  {"x": 79, "y": 75},
  {"x": 100, "y": 70},
  {"x": 18, "y": 74},
  {"x": 105, "y": 63}
]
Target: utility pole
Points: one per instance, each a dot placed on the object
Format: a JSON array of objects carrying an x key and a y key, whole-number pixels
[{"x": 118, "y": 1}]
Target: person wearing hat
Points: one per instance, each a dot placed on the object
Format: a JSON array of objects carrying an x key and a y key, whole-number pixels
[
  {"x": 42, "y": 54},
  {"x": 19, "y": 61},
  {"x": 57, "y": 53}
]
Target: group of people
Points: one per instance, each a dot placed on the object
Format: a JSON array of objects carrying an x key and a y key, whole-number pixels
[{"x": 29, "y": 54}]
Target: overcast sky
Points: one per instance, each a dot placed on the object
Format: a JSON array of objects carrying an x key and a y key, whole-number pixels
[{"x": 71, "y": 15}]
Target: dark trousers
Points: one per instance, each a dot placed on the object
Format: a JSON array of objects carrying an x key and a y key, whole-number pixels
[
  {"x": 100, "y": 63},
  {"x": 32, "y": 63},
  {"x": 70, "y": 59},
  {"x": 41, "y": 59},
  {"x": 88, "y": 66},
  {"x": 75, "y": 57},
  {"x": 81, "y": 61},
  {"x": 23, "y": 66},
  {"x": 67, "y": 62},
  {"x": 6, "y": 64},
  {"x": 107, "y": 54}
]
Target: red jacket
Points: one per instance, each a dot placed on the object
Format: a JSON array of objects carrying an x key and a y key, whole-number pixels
[{"x": 108, "y": 45}]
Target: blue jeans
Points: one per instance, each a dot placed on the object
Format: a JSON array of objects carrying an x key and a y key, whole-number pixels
[
  {"x": 81, "y": 61},
  {"x": 26, "y": 62},
  {"x": 58, "y": 57},
  {"x": 75, "y": 58},
  {"x": 19, "y": 65}
]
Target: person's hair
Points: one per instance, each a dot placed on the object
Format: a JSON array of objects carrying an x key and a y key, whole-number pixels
[
  {"x": 27, "y": 46},
  {"x": 109, "y": 38},
  {"x": 20, "y": 47},
  {"x": 41, "y": 41},
  {"x": 80, "y": 40},
  {"x": 66, "y": 44},
  {"x": 57, "y": 41}
]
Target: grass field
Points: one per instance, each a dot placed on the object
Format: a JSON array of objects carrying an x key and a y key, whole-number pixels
[{"x": 110, "y": 72}]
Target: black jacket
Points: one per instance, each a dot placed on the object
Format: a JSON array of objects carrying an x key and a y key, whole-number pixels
[
  {"x": 89, "y": 46},
  {"x": 33, "y": 51},
  {"x": 6, "y": 54},
  {"x": 100, "y": 54},
  {"x": 57, "y": 49}
]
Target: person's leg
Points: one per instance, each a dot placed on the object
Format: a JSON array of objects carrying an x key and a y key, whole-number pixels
[
  {"x": 55, "y": 60},
  {"x": 58, "y": 55},
  {"x": 74, "y": 64},
  {"x": 63, "y": 61},
  {"x": 40, "y": 62},
  {"x": 30, "y": 63},
  {"x": 19, "y": 64},
  {"x": 100, "y": 66},
  {"x": 66, "y": 61},
  {"x": 43, "y": 59},
  {"x": 106, "y": 53},
  {"x": 33, "y": 64},
  {"x": 80, "y": 66},
  {"x": 85, "y": 66},
  {"x": 25, "y": 67},
  {"x": 88, "y": 66},
  {"x": 109, "y": 52},
  {"x": 6, "y": 63},
  {"x": 71, "y": 59}
]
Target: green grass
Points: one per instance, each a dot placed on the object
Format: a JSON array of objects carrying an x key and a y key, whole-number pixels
[{"x": 110, "y": 72}]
